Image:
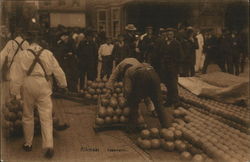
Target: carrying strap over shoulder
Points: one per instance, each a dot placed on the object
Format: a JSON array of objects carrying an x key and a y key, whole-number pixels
[
  {"x": 35, "y": 61},
  {"x": 19, "y": 46}
]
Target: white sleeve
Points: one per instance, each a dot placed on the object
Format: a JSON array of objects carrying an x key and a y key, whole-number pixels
[
  {"x": 100, "y": 53},
  {"x": 5, "y": 51},
  {"x": 17, "y": 74},
  {"x": 114, "y": 75}
]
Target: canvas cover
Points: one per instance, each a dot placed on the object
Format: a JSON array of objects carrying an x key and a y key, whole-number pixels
[{"x": 219, "y": 86}]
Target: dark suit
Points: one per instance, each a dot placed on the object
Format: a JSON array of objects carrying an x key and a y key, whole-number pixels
[
  {"x": 130, "y": 40},
  {"x": 244, "y": 42},
  {"x": 210, "y": 49},
  {"x": 147, "y": 48},
  {"x": 233, "y": 58},
  {"x": 170, "y": 56},
  {"x": 120, "y": 52},
  {"x": 224, "y": 51},
  {"x": 68, "y": 61},
  {"x": 156, "y": 63},
  {"x": 189, "y": 59},
  {"x": 88, "y": 58}
]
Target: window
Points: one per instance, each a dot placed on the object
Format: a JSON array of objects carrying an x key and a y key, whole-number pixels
[
  {"x": 102, "y": 20},
  {"x": 115, "y": 21},
  {"x": 102, "y": 15}
]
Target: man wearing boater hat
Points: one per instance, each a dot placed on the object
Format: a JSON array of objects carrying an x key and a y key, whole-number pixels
[{"x": 129, "y": 38}]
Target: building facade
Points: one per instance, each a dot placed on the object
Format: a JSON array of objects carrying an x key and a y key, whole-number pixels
[
  {"x": 113, "y": 15},
  {"x": 69, "y": 13}
]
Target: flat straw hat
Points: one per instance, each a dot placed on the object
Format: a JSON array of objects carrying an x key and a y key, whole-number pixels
[{"x": 130, "y": 27}]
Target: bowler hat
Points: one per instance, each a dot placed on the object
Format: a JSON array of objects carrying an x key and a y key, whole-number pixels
[
  {"x": 130, "y": 27},
  {"x": 65, "y": 33},
  {"x": 88, "y": 33},
  {"x": 210, "y": 29},
  {"x": 225, "y": 31}
]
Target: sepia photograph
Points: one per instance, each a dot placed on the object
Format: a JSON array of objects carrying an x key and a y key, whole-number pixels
[{"x": 124, "y": 81}]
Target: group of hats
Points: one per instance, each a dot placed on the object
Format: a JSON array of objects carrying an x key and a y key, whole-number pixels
[
  {"x": 167, "y": 29},
  {"x": 131, "y": 27}
]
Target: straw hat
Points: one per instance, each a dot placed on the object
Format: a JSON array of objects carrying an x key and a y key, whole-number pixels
[{"x": 130, "y": 27}]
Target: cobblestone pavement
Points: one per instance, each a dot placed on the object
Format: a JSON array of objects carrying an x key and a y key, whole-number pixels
[{"x": 81, "y": 143}]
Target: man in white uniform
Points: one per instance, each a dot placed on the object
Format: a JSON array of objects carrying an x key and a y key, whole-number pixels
[
  {"x": 30, "y": 72},
  {"x": 199, "y": 52},
  {"x": 105, "y": 56},
  {"x": 7, "y": 56}
]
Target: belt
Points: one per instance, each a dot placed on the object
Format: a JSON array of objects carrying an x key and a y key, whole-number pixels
[
  {"x": 144, "y": 68},
  {"x": 40, "y": 75},
  {"x": 37, "y": 75},
  {"x": 107, "y": 55}
]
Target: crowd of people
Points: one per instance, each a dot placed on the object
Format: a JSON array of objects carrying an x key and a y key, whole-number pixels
[
  {"x": 78, "y": 51},
  {"x": 184, "y": 52}
]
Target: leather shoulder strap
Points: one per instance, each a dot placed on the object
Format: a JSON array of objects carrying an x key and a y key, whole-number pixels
[
  {"x": 35, "y": 61},
  {"x": 19, "y": 46}
]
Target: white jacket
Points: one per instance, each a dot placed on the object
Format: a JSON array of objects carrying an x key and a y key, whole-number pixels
[
  {"x": 23, "y": 62},
  {"x": 10, "y": 49}
]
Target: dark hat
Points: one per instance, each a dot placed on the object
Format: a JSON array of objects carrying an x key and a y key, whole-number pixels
[
  {"x": 64, "y": 33},
  {"x": 207, "y": 30},
  {"x": 88, "y": 33},
  {"x": 149, "y": 27},
  {"x": 32, "y": 33},
  {"x": 210, "y": 29},
  {"x": 234, "y": 31},
  {"x": 19, "y": 30},
  {"x": 170, "y": 29},
  {"x": 225, "y": 31}
]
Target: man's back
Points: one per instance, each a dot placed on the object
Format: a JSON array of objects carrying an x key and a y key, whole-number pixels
[
  {"x": 25, "y": 59},
  {"x": 11, "y": 48}
]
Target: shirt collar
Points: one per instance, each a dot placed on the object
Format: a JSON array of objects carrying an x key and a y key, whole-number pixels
[
  {"x": 35, "y": 46},
  {"x": 19, "y": 39}
]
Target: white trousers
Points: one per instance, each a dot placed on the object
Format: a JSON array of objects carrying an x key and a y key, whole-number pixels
[
  {"x": 199, "y": 60},
  {"x": 37, "y": 91}
]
